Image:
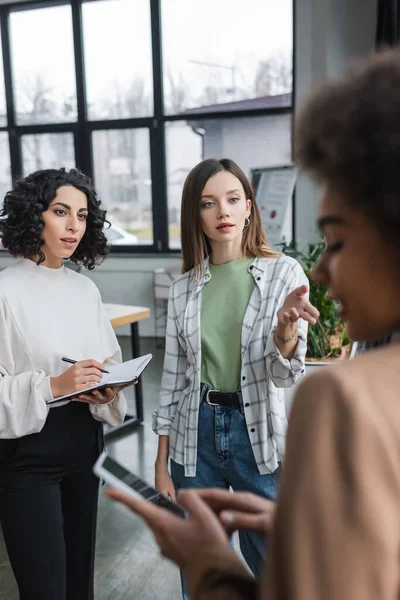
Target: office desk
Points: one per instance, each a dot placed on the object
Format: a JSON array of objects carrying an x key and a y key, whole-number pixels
[{"x": 121, "y": 314}]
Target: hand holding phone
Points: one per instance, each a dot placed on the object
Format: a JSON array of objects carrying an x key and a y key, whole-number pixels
[{"x": 119, "y": 477}]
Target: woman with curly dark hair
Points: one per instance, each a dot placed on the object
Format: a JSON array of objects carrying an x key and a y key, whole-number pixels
[{"x": 48, "y": 494}]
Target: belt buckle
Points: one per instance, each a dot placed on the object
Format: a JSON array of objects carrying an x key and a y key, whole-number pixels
[{"x": 208, "y": 398}]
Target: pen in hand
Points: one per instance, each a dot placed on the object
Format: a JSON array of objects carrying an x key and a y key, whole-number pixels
[{"x": 72, "y": 361}]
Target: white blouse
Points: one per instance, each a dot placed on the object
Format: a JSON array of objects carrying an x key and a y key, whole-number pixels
[{"x": 46, "y": 314}]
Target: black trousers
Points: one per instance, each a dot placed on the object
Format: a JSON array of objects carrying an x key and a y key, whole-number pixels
[{"x": 48, "y": 505}]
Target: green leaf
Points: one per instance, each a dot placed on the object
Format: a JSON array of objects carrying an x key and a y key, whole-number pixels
[{"x": 329, "y": 324}]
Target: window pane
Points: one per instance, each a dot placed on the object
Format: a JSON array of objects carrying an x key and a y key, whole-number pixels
[
  {"x": 184, "y": 151},
  {"x": 212, "y": 56},
  {"x": 5, "y": 166},
  {"x": 119, "y": 78},
  {"x": 123, "y": 180},
  {"x": 3, "y": 110},
  {"x": 43, "y": 65},
  {"x": 5, "y": 169},
  {"x": 252, "y": 142},
  {"x": 47, "y": 151}
]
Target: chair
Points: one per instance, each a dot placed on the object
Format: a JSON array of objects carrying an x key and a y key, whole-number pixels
[{"x": 162, "y": 279}]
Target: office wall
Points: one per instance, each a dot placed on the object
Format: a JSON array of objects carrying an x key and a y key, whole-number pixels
[{"x": 251, "y": 141}]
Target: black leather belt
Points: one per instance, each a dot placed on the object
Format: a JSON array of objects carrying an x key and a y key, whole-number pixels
[{"x": 215, "y": 398}]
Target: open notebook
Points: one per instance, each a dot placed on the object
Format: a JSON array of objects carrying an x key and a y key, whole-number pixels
[{"x": 121, "y": 374}]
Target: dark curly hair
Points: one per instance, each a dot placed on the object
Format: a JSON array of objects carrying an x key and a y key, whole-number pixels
[
  {"x": 348, "y": 135},
  {"x": 21, "y": 221}
]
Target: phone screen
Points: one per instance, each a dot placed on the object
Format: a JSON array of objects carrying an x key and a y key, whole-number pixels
[{"x": 141, "y": 487}]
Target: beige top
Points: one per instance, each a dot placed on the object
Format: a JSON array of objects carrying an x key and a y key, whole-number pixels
[{"x": 337, "y": 529}]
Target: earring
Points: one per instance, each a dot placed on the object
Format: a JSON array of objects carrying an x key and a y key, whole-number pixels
[{"x": 248, "y": 222}]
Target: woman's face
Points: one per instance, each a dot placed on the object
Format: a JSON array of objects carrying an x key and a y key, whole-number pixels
[
  {"x": 65, "y": 225},
  {"x": 358, "y": 268},
  {"x": 223, "y": 209}
]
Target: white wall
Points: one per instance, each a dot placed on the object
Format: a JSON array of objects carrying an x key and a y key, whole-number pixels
[
  {"x": 250, "y": 141},
  {"x": 328, "y": 34}
]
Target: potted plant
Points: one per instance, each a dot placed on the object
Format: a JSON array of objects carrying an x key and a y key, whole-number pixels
[{"x": 327, "y": 341}]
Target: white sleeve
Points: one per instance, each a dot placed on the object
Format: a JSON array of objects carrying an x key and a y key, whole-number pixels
[
  {"x": 286, "y": 372},
  {"x": 174, "y": 379},
  {"x": 23, "y": 408},
  {"x": 114, "y": 412}
]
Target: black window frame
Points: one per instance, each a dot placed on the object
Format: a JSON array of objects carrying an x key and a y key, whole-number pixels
[{"x": 82, "y": 128}]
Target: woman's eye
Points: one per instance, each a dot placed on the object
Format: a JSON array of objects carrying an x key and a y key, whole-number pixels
[
  {"x": 206, "y": 204},
  {"x": 60, "y": 211},
  {"x": 333, "y": 247},
  {"x": 82, "y": 216},
  {"x": 234, "y": 199}
]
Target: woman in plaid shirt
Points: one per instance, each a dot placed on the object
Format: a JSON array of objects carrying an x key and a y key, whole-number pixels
[{"x": 236, "y": 337}]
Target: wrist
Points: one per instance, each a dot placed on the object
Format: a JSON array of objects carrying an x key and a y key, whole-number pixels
[
  {"x": 54, "y": 387},
  {"x": 209, "y": 569},
  {"x": 161, "y": 461},
  {"x": 287, "y": 336},
  {"x": 286, "y": 330},
  {"x": 109, "y": 401}
]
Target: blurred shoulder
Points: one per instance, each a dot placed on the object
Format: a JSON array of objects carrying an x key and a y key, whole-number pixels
[{"x": 367, "y": 384}]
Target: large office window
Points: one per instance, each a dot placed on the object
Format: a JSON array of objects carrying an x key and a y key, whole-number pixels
[{"x": 136, "y": 92}]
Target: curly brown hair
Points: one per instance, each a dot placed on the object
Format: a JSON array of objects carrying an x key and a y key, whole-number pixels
[
  {"x": 21, "y": 221},
  {"x": 348, "y": 136}
]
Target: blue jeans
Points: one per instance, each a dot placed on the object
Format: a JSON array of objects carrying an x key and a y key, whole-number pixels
[{"x": 225, "y": 459}]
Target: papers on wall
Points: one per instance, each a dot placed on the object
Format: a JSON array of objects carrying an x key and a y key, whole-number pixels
[{"x": 274, "y": 188}]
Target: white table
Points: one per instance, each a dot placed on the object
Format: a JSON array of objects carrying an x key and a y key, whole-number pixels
[{"x": 122, "y": 314}]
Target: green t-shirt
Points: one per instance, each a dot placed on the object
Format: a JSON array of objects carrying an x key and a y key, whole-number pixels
[{"x": 224, "y": 301}]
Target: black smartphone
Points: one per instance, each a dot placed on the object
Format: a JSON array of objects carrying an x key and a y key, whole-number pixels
[{"x": 117, "y": 476}]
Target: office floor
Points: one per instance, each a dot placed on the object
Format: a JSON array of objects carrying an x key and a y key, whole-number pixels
[{"x": 128, "y": 564}]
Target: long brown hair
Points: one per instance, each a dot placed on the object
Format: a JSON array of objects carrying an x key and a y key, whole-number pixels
[{"x": 195, "y": 246}]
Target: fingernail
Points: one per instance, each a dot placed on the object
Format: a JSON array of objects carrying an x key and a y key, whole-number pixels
[{"x": 227, "y": 516}]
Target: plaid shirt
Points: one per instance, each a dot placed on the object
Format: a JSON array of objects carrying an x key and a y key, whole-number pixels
[{"x": 264, "y": 371}]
